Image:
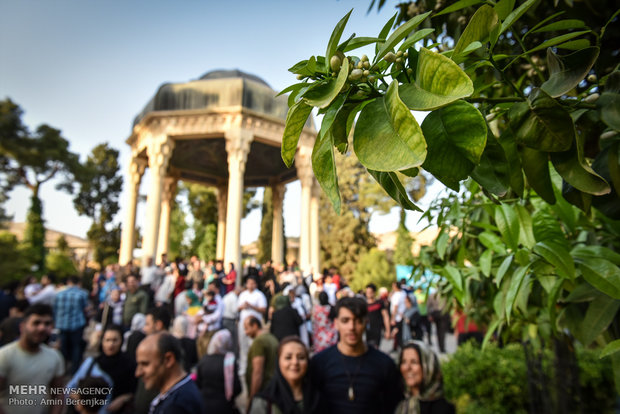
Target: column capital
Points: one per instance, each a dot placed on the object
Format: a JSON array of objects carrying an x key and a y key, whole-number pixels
[
  {"x": 238, "y": 143},
  {"x": 136, "y": 170},
  {"x": 159, "y": 150},
  {"x": 277, "y": 195},
  {"x": 169, "y": 188}
]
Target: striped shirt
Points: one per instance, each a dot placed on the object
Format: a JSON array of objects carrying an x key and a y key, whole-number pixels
[{"x": 69, "y": 306}]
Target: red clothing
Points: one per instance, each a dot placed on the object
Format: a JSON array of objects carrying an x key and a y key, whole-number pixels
[
  {"x": 179, "y": 286},
  {"x": 460, "y": 324},
  {"x": 232, "y": 277},
  {"x": 324, "y": 333},
  {"x": 336, "y": 281}
]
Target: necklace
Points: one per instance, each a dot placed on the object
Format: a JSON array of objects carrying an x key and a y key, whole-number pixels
[{"x": 351, "y": 391}]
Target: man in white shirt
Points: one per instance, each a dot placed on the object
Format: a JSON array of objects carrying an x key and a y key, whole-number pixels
[
  {"x": 231, "y": 314},
  {"x": 251, "y": 302},
  {"x": 47, "y": 294}
]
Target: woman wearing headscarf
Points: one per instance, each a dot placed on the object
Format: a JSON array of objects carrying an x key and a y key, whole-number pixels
[
  {"x": 290, "y": 391},
  {"x": 115, "y": 367},
  {"x": 194, "y": 306},
  {"x": 216, "y": 375},
  {"x": 421, "y": 373},
  {"x": 412, "y": 328},
  {"x": 285, "y": 320}
]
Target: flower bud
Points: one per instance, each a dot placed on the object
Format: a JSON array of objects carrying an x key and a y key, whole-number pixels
[
  {"x": 592, "y": 78},
  {"x": 356, "y": 74},
  {"x": 335, "y": 63},
  {"x": 592, "y": 98},
  {"x": 390, "y": 57}
]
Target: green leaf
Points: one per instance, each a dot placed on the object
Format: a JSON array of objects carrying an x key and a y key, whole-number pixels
[
  {"x": 358, "y": 42},
  {"x": 415, "y": 38},
  {"x": 383, "y": 34},
  {"x": 573, "y": 168},
  {"x": 557, "y": 40},
  {"x": 610, "y": 349},
  {"x": 599, "y": 315},
  {"x": 503, "y": 8},
  {"x": 399, "y": 34},
  {"x": 541, "y": 123},
  {"x": 583, "y": 293},
  {"x": 561, "y": 25},
  {"x": 387, "y": 136},
  {"x": 492, "y": 241},
  {"x": 295, "y": 120},
  {"x": 508, "y": 143},
  {"x": 536, "y": 168},
  {"x": 543, "y": 22},
  {"x": 503, "y": 268},
  {"x": 575, "y": 44},
  {"x": 602, "y": 274},
  {"x": 516, "y": 14},
  {"x": 609, "y": 106},
  {"x": 392, "y": 185},
  {"x": 513, "y": 290},
  {"x": 459, "y": 5},
  {"x": 481, "y": 24},
  {"x": 342, "y": 126},
  {"x": 454, "y": 277},
  {"x": 495, "y": 323},
  {"x": 332, "y": 113},
  {"x": 456, "y": 137},
  {"x": 439, "y": 81},
  {"x": 567, "y": 71},
  {"x": 596, "y": 252},
  {"x": 547, "y": 227},
  {"x": 558, "y": 256},
  {"x": 526, "y": 234},
  {"x": 493, "y": 172},
  {"x": 324, "y": 167},
  {"x": 442, "y": 244},
  {"x": 508, "y": 226},
  {"x": 334, "y": 39},
  {"x": 486, "y": 260},
  {"x": 322, "y": 95}
]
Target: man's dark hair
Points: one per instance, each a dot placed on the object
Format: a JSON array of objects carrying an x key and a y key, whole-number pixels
[
  {"x": 357, "y": 306},
  {"x": 161, "y": 314},
  {"x": 91, "y": 402},
  {"x": 372, "y": 286},
  {"x": 22, "y": 304},
  {"x": 169, "y": 343},
  {"x": 52, "y": 277},
  {"x": 38, "y": 309},
  {"x": 73, "y": 279},
  {"x": 253, "y": 320}
]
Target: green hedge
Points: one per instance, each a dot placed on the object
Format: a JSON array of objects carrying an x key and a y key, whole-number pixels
[{"x": 495, "y": 380}]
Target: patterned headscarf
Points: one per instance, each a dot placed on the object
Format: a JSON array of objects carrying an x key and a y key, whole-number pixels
[{"x": 432, "y": 380}]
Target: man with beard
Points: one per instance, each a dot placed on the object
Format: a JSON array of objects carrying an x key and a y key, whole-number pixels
[{"x": 29, "y": 362}]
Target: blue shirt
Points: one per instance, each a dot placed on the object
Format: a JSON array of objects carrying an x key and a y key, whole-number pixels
[
  {"x": 69, "y": 306},
  {"x": 183, "y": 397}
]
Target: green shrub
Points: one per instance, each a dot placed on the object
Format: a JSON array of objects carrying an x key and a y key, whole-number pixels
[{"x": 496, "y": 380}]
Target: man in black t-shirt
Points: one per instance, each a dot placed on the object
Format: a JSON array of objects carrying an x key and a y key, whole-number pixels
[
  {"x": 378, "y": 318},
  {"x": 352, "y": 377}
]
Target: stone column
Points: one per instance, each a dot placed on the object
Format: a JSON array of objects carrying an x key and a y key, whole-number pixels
[
  {"x": 222, "y": 199},
  {"x": 277, "y": 236},
  {"x": 167, "y": 203},
  {"x": 238, "y": 143},
  {"x": 304, "y": 172},
  {"x": 314, "y": 228},
  {"x": 159, "y": 151},
  {"x": 128, "y": 233}
]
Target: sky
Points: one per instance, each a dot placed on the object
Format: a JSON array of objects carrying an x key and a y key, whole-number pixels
[{"x": 87, "y": 67}]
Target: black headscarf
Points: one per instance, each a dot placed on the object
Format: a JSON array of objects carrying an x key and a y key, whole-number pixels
[
  {"x": 121, "y": 369},
  {"x": 278, "y": 392}
]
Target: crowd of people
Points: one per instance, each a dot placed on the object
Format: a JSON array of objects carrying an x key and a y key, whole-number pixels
[{"x": 187, "y": 337}]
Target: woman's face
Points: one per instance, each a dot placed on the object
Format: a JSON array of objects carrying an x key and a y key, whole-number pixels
[
  {"x": 111, "y": 343},
  {"x": 293, "y": 362},
  {"x": 411, "y": 370}
]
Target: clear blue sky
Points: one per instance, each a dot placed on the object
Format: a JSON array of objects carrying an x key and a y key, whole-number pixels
[{"x": 88, "y": 67}]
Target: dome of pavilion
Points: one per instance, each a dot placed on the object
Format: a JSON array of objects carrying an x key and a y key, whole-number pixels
[{"x": 218, "y": 89}]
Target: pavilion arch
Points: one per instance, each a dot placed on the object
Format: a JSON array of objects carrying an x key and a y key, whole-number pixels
[{"x": 222, "y": 130}]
